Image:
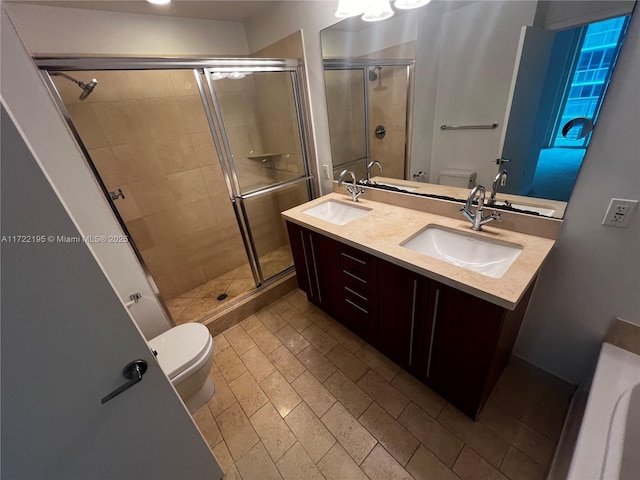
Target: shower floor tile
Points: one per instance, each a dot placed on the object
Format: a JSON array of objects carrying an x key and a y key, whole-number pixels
[
  {"x": 201, "y": 302},
  {"x": 391, "y": 450}
]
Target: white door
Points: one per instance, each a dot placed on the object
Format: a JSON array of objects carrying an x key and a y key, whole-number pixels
[
  {"x": 528, "y": 110},
  {"x": 66, "y": 338}
]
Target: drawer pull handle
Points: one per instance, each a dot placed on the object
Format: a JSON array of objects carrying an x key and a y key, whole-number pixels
[
  {"x": 315, "y": 267},
  {"x": 355, "y": 276},
  {"x": 357, "y": 306},
  {"x": 413, "y": 318},
  {"x": 306, "y": 264},
  {"x": 433, "y": 330},
  {"x": 354, "y": 259},
  {"x": 356, "y": 294}
]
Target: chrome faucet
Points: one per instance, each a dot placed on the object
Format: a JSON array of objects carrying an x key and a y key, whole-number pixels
[
  {"x": 501, "y": 179},
  {"x": 370, "y": 165},
  {"x": 352, "y": 189},
  {"x": 477, "y": 220}
]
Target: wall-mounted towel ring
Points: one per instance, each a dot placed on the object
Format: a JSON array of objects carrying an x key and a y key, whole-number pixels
[{"x": 583, "y": 126}]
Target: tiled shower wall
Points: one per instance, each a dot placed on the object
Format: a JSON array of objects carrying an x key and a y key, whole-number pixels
[
  {"x": 148, "y": 136},
  {"x": 388, "y": 107}
]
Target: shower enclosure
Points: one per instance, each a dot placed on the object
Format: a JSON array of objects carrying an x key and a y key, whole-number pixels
[
  {"x": 369, "y": 107},
  {"x": 197, "y": 159}
]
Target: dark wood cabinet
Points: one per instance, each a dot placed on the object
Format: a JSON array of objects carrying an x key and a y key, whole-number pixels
[
  {"x": 455, "y": 342},
  {"x": 402, "y": 305},
  {"x": 316, "y": 260},
  {"x": 462, "y": 344}
]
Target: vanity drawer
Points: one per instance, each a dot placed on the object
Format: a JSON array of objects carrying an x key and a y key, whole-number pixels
[
  {"x": 360, "y": 314},
  {"x": 357, "y": 263}
]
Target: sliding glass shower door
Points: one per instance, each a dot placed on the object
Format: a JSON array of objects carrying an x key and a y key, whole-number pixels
[
  {"x": 369, "y": 111},
  {"x": 196, "y": 169},
  {"x": 258, "y": 121}
]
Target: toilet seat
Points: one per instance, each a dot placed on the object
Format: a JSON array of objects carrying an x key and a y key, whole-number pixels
[{"x": 179, "y": 348}]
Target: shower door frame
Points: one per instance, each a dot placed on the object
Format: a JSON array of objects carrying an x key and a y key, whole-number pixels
[
  {"x": 199, "y": 66},
  {"x": 364, "y": 64}
]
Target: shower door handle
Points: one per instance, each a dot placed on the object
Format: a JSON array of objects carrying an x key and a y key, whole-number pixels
[{"x": 132, "y": 372}]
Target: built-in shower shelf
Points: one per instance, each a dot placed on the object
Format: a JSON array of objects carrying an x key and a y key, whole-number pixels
[{"x": 260, "y": 156}]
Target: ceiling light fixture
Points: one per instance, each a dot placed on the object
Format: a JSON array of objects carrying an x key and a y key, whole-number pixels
[
  {"x": 378, "y": 10},
  {"x": 219, "y": 75},
  {"x": 375, "y": 10},
  {"x": 351, "y": 8},
  {"x": 408, "y": 4},
  {"x": 159, "y": 2}
]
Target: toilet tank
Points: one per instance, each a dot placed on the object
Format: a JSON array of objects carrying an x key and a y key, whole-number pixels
[{"x": 458, "y": 178}]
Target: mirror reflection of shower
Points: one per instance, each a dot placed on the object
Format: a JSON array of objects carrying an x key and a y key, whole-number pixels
[{"x": 87, "y": 88}]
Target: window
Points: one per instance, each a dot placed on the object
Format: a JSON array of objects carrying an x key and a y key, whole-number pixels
[{"x": 600, "y": 46}]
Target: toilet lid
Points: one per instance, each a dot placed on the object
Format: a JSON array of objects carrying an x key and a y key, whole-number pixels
[{"x": 180, "y": 347}]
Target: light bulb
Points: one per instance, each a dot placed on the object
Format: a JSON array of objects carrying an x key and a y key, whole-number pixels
[
  {"x": 351, "y": 8},
  {"x": 408, "y": 4},
  {"x": 378, "y": 10}
]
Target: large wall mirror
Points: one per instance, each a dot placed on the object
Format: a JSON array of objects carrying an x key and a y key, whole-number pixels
[{"x": 441, "y": 94}]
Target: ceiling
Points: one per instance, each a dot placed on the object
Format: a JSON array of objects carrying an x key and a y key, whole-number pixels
[{"x": 230, "y": 11}]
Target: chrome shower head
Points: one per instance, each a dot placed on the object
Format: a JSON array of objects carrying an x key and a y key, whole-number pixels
[
  {"x": 373, "y": 76},
  {"x": 87, "y": 88}
]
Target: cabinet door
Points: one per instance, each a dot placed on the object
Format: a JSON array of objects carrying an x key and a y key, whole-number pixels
[
  {"x": 317, "y": 266},
  {"x": 464, "y": 333},
  {"x": 300, "y": 258},
  {"x": 324, "y": 257},
  {"x": 400, "y": 298}
]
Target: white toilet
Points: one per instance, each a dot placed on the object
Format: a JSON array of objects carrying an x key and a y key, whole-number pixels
[
  {"x": 458, "y": 178},
  {"x": 185, "y": 354}
]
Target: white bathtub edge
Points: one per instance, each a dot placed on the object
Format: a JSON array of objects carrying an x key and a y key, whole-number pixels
[{"x": 618, "y": 370}]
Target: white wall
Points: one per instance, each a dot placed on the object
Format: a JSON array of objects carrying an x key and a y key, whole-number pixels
[
  {"x": 571, "y": 13},
  {"x": 311, "y": 17},
  {"x": 478, "y": 48},
  {"x": 425, "y": 90},
  {"x": 73, "y": 31},
  {"x": 593, "y": 274},
  {"x": 378, "y": 36}
]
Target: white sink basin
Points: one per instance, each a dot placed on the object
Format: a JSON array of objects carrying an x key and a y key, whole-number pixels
[
  {"x": 473, "y": 252},
  {"x": 337, "y": 213},
  {"x": 541, "y": 209}
]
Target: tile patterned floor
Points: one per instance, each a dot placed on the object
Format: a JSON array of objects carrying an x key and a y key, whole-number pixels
[
  {"x": 300, "y": 397},
  {"x": 201, "y": 302}
]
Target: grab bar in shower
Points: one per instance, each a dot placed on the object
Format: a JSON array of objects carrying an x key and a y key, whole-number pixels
[{"x": 469, "y": 127}]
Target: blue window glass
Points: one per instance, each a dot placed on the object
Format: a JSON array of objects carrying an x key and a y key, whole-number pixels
[{"x": 597, "y": 53}]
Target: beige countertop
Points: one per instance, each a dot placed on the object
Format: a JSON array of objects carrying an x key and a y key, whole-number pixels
[{"x": 381, "y": 231}]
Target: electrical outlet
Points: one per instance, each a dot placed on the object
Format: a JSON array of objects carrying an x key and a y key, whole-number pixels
[
  {"x": 619, "y": 212},
  {"x": 325, "y": 171}
]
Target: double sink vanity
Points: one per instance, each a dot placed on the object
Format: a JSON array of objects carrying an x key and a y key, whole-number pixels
[{"x": 410, "y": 276}]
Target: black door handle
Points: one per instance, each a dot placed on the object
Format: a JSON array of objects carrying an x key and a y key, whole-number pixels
[{"x": 132, "y": 372}]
